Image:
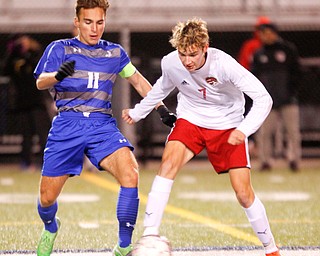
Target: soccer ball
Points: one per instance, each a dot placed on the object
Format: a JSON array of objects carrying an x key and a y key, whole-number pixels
[{"x": 152, "y": 245}]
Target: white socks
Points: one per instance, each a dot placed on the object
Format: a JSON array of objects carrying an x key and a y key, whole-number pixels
[
  {"x": 157, "y": 201},
  {"x": 257, "y": 216}
]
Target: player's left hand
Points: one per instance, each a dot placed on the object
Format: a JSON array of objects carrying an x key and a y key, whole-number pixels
[
  {"x": 236, "y": 137},
  {"x": 167, "y": 117}
]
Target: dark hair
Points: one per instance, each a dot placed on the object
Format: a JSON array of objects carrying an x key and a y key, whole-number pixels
[
  {"x": 271, "y": 26},
  {"x": 89, "y": 4}
]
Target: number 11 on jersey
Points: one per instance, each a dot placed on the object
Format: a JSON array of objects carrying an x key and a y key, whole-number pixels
[{"x": 93, "y": 80}]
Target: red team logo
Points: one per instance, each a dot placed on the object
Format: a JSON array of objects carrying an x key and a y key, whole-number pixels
[{"x": 211, "y": 80}]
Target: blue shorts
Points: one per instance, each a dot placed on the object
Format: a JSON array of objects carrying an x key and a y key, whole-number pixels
[{"x": 73, "y": 135}]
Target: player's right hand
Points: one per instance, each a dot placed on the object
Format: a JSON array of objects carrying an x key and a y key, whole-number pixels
[
  {"x": 126, "y": 117},
  {"x": 66, "y": 69},
  {"x": 236, "y": 137}
]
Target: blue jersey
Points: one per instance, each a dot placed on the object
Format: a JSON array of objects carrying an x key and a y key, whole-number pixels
[
  {"x": 89, "y": 89},
  {"x": 84, "y": 124}
]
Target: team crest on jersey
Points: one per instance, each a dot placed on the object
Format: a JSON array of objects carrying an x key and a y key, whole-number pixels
[{"x": 211, "y": 80}]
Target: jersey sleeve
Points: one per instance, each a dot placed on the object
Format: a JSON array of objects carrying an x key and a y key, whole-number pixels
[
  {"x": 40, "y": 66},
  {"x": 124, "y": 61},
  {"x": 51, "y": 59},
  {"x": 246, "y": 82},
  {"x": 159, "y": 91}
]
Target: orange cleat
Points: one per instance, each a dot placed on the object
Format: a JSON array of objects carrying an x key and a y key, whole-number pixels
[{"x": 277, "y": 253}]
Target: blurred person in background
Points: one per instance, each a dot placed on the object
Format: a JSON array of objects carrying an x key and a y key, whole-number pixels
[
  {"x": 80, "y": 73},
  {"x": 210, "y": 117},
  {"x": 251, "y": 45},
  {"x": 30, "y": 104},
  {"x": 276, "y": 64},
  {"x": 245, "y": 58}
]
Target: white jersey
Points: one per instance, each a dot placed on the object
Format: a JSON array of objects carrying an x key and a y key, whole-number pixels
[{"x": 211, "y": 97}]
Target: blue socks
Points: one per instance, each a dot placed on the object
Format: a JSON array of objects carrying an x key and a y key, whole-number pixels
[
  {"x": 127, "y": 211},
  {"x": 48, "y": 216}
]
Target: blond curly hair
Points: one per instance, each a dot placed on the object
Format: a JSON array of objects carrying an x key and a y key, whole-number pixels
[{"x": 193, "y": 32}]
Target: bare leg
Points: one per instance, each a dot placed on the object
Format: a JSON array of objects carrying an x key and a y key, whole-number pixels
[{"x": 50, "y": 188}]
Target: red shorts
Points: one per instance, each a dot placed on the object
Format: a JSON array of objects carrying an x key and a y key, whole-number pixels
[{"x": 222, "y": 155}]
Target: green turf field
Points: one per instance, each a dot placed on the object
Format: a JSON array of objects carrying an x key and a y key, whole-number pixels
[{"x": 202, "y": 210}]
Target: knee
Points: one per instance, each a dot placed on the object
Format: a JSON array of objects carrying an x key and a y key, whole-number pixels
[
  {"x": 245, "y": 197},
  {"x": 129, "y": 178},
  {"x": 47, "y": 198},
  {"x": 168, "y": 169}
]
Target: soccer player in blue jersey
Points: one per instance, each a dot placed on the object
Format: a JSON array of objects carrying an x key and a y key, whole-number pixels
[{"x": 80, "y": 73}]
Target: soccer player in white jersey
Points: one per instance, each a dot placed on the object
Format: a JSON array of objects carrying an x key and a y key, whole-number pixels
[
  {"x": 80, "y": 73},
  {"x": 210, "y": 116}
]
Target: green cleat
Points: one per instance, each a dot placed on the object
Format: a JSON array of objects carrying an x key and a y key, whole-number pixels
[
  {"x": 119, "y": 251},
  {"x": 46, "y": 242}
]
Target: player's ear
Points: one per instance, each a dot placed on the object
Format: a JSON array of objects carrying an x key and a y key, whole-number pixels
[
  {"x": 76, "y": 22},
  {"x": 205, "y": 48}
]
